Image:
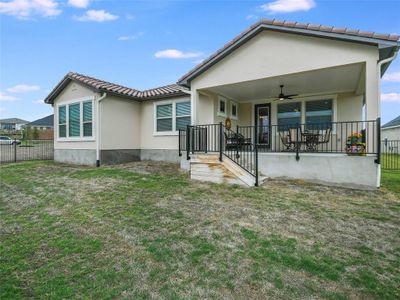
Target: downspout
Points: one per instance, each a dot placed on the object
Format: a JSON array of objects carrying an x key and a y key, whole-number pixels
[
  {"x": 380, "y": 63},
  {"x": 98, "y": 129}
]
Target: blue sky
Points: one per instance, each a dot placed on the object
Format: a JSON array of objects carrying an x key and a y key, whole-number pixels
[{"x": 126, "y": 41}]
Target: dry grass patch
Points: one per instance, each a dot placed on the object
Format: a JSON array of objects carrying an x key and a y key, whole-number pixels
[{"x": 143, "y": 230}]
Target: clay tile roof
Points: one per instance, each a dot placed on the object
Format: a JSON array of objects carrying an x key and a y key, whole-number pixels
[
  {"x": 105, "y": 86},
  {"x": 274, "y": 24}
]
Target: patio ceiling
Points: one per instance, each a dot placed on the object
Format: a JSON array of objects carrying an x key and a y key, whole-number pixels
[{"x": 324, "y": 81}]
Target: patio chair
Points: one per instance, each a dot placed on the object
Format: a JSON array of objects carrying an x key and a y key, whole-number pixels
[
  {"x": 234, "y": 141},
  {"x": 296, "y": 137},
  {"x": 325, "y": 136},
  {"x": 285, "y": 139}
]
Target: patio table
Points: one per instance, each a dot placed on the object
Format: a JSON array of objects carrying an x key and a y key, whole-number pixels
[{"x": 311, "y": 140}]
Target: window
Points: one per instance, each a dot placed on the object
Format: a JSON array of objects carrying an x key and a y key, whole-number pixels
[
  {"x": 170, "y": 117},
  {"x": 164, "y": 117},
  {"x": 87, "y": 118},
  {"x": 62, "y": 122},
  {"x": 234, "y": 110},
  {"x": 75, "y": 120},
  {"x": 319, "y": 114},
  {"x": 182, "y": 115},
  {"x": 289, "y": 115},
  {"x": 222, "y": 107}
]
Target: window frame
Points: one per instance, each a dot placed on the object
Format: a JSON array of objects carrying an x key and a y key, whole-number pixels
[
  {"x": 173, "y": 102},
  {"x": 81, "y": 137},
  {"x": 219, "y": 113},
  {"x": 232, "y": 104}
]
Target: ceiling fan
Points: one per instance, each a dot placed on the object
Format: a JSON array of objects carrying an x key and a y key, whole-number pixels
[{"x": 282, "y": 96}]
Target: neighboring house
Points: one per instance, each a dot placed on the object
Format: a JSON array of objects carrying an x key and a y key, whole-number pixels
[
  {"x": 391, "y": 130},
  {"x": 332, "y": 73},
  {"x": 45, "y": 123},
  {"x": 12, "y": 124}
]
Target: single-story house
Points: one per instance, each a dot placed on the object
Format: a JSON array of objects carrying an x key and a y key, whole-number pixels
[
  {"x": 12, "y": 124},
  {"x": 282, "y": 99},
  {"x": 45, "y": 123},
  {"x": 391, "y": 130}
]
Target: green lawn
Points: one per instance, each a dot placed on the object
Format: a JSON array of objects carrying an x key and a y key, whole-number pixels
[{"x": 143, "y": 230}]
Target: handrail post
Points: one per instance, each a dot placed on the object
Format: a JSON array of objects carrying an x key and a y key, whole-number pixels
[
  {"x": 378, "y": 137},
  {"x": 238, "y": 142},
  {"x": 256, "y": 164},
  {"x": 220, "y": 140},
  {"x": 179, "y": 142},
  {"x": 187, "y": 142},
  {"x": 297, "y": 143}
]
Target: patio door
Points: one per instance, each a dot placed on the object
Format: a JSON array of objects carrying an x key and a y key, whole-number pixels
[{"x": 262, "y": 118}]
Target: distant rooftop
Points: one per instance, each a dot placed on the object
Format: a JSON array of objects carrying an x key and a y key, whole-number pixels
[
  {"x": 45, "y": 122},
  {"x": 13, "y": 121},
  {"x": 394, "y": 122}
]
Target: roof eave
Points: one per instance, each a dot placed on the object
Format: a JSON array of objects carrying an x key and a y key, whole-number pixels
[{"x": 185, "y": 81}]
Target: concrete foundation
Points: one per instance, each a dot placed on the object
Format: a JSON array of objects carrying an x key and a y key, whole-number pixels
[
  {"x": 113, "y": 157},
  {"x": 332, "y": 169},
  {"x": 160, "y": 155},
  {"x": 75, "y": 156}
]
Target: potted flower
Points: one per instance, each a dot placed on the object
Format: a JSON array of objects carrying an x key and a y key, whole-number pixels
[{"x": 355, "y": 144}]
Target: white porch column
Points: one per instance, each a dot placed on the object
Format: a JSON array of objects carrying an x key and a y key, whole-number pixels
[
  {"x": 372, "y": 97},
  {"x": 372, "y": 110}
]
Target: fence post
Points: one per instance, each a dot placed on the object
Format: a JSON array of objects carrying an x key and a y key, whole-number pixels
[
  {"x": 15, "y": 149},
  {"x": 378, "y": 137},
  {"x": 187, "y": 142},
  {"x": 220, "y": 140}
]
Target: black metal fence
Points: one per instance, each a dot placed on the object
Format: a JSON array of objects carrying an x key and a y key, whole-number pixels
[
  {"x": 390, "y": 154},
  {"x": 15, "y": 150}
]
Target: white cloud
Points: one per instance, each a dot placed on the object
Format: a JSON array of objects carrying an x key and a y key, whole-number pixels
[
  {"x": 25, "y": 9},
  {"x": 131, "y": 37},
  {"x": 391, "y": 97},
  {"x": 4, "y": 97},
  {"x": 288, "y": 6},
  {"x": 96, "y": 16},
  {"x": 41, "y": 101},
  {"x": 129, "y": 17},
  {"x": 177, "y": 54},
  {"x": 79, "y": 3},
  {"x": 392, "y": 77},
  {"x": 23, "y": 88},
  {"x": 252, "y": 17}
]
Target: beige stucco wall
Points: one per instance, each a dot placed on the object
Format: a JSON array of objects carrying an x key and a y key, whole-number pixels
[
  {"x": 71, "y": 93},
  {"x": 272, "y": 54},
  {"x": 391, "y": 133},
  {"x": 120, "y": 123},
  {"x": 349, "y": 107},
  {"x": 150, "y": 140}
]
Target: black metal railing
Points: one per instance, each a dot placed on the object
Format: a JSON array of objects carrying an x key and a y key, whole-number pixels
[
  {"x": 215, "y": 138},
  {"x": 14, "y": 150},
  {"x": 243, "y": 144},
  {"x": 242, "y": 151},
  {"x": 390, "y": 154},
  {"x": 353, "y": 138}
]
